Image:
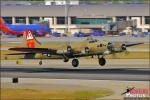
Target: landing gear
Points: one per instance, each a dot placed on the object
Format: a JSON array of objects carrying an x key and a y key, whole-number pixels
[
  {"x": 40, "y": 62},
  {"x": 75, "y": 62},
  {"x": 102, "y": 61}
]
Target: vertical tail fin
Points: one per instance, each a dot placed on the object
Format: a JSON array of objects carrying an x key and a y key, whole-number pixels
[{"x": 30, "y": 39}]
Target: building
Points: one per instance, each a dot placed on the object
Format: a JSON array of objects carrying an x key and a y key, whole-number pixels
[
  {"x": 80, "y": 17},
  {"x": 61, "y": 2}
]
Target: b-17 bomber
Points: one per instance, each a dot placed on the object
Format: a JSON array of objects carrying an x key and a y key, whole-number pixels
[{"x": 68, "y": 51}]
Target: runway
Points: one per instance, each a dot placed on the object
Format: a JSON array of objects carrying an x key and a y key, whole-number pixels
[
  {"x": 57, "y": 75},
  {"x": 127, "y": 74},
  {"x": 89, "y": 72}
]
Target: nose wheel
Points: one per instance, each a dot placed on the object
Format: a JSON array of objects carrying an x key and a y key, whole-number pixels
[
  {"x": 75, "y": 62},
  {"x": 102, "y": 61}
]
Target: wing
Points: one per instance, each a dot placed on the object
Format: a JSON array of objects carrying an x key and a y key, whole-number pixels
[
  {"x": 123, "y": 48},
  {"x": 87, "y": 54},
  {"x": 129, "y": 45},
  {"x": 19, "y": 53},
  {"x": 35, "y": 50}
]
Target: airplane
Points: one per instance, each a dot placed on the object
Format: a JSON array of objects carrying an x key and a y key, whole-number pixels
[
  {"x": 68, "y": 51},
  {"x": 128, "y": 90},
  {"x": 19, "y": 29}
]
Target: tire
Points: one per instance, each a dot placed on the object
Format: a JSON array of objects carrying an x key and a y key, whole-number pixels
[
  {"x": 102, "y": 61},
  {"x": 75, "y": 62},
  {"x": 40, "y": 62}
]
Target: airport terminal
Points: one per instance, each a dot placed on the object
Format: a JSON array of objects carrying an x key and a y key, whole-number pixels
[
  {"x": 75, "y": 50},
  {"x": 80, "y": 18}
]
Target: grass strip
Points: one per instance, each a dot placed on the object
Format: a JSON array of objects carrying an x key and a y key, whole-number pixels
[{"x": 31, "y": 94}]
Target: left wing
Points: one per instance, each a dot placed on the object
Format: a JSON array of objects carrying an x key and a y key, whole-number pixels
[
  {"x": 19, "y": 53},
  {"x": 34, "y": 50}
]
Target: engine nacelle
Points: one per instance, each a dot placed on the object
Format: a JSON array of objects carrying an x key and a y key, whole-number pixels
[
  {"x": 123, "y": 47},
  {"x": 87, "y": 50},
  {"x": 110, "y": 46},
  {"x": 69, "y": 49}
]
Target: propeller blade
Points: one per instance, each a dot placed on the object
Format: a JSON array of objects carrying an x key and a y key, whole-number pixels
[{"x": 127, "y": 52}]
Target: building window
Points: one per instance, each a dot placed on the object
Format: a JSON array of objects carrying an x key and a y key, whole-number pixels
[
  {"x": 20, "y": 20},
  {"x": 93, "y": 21},
  {"x": 73, "y": 20},
  {"x": 8, "y": 20},
  {"x": 34, "y": 20},
  {"x": 147, "y": 19},
  {"x": 121, "y": 18},
  {"x": 60, "y": 20}
]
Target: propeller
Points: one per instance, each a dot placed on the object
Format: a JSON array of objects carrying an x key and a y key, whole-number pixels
[
  {"x": 124, "y": 48},
  {"x": 110, "y": 46},
  {"x": 71, "y": 50}
]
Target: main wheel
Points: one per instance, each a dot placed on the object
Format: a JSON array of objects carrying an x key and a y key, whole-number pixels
[
  {"x": 40, "y": 62},
  {"x": 102, "y": 61},
  {"x": 75, "y": 62}
]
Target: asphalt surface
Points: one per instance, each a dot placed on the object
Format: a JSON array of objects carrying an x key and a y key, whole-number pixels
[
  {"x": 91, "y": 74},
  {"x": 117, "y": 75},
  {"x": 58, "y": 70}
]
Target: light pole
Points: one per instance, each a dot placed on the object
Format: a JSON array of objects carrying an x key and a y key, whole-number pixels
[{"x": 66, "y": 17}]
